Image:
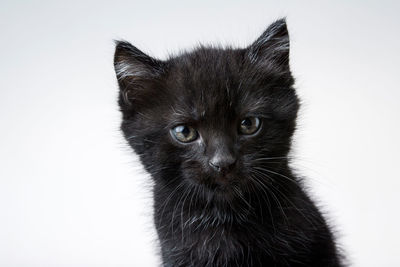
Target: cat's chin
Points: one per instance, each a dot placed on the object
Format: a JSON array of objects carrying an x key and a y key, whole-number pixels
[
  {"x": 225, "y": 192},
  {"x": 222, "y": 188}
]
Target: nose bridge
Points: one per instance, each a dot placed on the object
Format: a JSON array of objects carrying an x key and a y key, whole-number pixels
[
  {"x": 221, "y": 152},
  {"x": 220, "y": 144}
]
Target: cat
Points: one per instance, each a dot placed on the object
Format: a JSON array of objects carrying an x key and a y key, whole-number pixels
[{"x": 213, "y": 128}]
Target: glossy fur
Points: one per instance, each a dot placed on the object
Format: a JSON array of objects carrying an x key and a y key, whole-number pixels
[{"x": 254, "y": 214}]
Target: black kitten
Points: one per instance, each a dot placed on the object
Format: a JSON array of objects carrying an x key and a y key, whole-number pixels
[{"x": 213, "y": 127}]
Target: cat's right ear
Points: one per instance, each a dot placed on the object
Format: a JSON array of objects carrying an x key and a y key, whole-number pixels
[
  {"x": 133, "y": 69},
  {"x": 272, "y": 47}
]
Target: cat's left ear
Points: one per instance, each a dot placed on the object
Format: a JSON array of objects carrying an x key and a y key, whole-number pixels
[
  {"x": 134, "y": 69},
  {"x": 272, "y": 46}
]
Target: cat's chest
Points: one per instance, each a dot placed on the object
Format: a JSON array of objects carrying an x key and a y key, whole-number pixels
[
  {"x": 220, "y": 246},
  {"x": 218, "y": 243}
]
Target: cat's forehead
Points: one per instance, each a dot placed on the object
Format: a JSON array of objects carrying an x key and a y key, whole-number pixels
[
  {"x": 212, "y": 83},
  {"x": 209, "y": 65},
  {"x": 212, "y": 77}
]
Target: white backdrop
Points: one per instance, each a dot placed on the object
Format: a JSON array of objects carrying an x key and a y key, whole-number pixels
[{"x": 71, "y": 192}]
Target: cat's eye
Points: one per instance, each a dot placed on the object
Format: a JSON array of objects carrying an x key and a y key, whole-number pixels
[
  {"x": 249, "y": 125},
  {"x": 184, "y": 133}
]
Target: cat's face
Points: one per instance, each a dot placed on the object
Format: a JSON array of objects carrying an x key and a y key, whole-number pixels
[{"x": 209, "y": 117}]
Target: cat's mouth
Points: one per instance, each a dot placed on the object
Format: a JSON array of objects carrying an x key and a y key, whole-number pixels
[
  {"x": 221, "y": 184},
  {"x": 224, "y": 180},
  {"x": 220, "y": 181}
]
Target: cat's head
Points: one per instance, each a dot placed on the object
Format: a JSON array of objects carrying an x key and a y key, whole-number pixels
[{"x": 210, "y": 117}]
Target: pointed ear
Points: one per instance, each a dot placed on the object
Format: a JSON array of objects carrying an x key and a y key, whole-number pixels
[
  {"x": 272, "y": 46},
  {"x": 133, "y": 68}
]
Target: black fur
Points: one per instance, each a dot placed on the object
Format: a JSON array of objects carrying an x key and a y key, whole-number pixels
[{"x": 257, "y": 214}]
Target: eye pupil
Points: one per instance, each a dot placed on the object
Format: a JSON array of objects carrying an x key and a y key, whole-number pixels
[
  {"x": 185, "y": 131},
  {"x": 246, "y": 123}
]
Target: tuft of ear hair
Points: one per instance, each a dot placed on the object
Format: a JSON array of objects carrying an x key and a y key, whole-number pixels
[
  {"x": 133, "y": 67},
  {"x": 272, "y": 46}
]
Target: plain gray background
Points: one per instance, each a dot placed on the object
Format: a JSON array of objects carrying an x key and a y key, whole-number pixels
[{"x": 72, "y": 193}]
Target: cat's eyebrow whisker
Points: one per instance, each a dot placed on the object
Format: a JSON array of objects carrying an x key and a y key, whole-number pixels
[{"x": 144, "y": 116}]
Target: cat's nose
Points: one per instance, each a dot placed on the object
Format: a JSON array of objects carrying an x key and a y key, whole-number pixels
[{"x": 222, "y": 163}]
